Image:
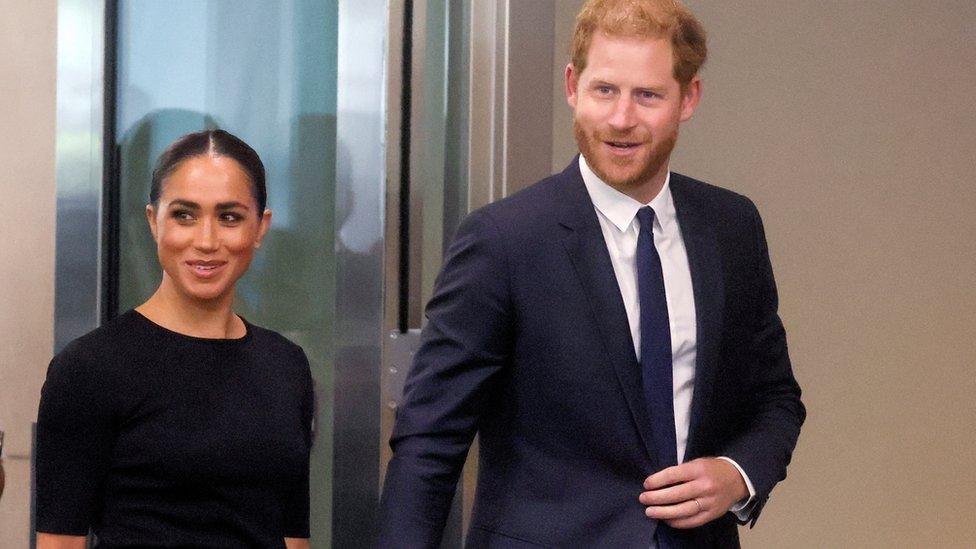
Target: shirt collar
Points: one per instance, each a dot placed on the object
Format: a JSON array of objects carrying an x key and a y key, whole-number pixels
[{"x": 621, "y": 209}]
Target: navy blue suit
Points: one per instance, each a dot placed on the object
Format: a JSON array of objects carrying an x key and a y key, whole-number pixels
[{"x": 527, "y": 343}]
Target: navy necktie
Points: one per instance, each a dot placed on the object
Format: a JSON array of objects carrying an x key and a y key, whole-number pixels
[
  {"x": 655, "y": 347},
  {"x": 655, "y": 352}
]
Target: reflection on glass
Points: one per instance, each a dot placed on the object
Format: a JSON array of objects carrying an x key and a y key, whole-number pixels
[{"x": 265, "y": 71}]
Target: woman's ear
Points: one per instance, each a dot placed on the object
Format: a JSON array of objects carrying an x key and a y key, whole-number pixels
[
  {"x": 151, "y": 219},
  {"x": 263, "y": 227}
]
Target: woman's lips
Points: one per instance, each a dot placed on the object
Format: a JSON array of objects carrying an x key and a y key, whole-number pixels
[{"x": 205, "y": 269}]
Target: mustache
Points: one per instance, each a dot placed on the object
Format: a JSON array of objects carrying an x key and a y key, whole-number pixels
[
  {"x": 622, "y": 136},
  {"x": 608, "y": 134}
]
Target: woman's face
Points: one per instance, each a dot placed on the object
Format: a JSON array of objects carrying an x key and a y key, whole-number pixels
[{"x": 206, "y": 226}]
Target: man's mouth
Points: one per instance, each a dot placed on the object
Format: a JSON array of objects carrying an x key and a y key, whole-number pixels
[{"x": 621, "y": 144}]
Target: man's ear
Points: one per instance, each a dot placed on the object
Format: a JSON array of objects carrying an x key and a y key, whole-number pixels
[
  {"x": 263, "y": 227},
  {"x": 690, "y": 98},
  {"x": 572, "y": 85},
  {"x": 151, "y": 219}
]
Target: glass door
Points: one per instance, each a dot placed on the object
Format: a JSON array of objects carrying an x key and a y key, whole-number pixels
[{"x": 266, "y": 72}]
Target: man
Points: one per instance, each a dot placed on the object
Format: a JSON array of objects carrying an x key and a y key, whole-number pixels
[{"x": 611, "y": 332}]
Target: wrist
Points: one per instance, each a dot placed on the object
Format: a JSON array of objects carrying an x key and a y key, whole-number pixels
[{"x": 736, "y": 483}]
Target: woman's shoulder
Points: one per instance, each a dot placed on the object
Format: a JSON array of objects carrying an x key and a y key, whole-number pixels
[
  {"x": 91, "y": 349},
  {"x": 285, "y": 357},
  {"x": 272, "y": 342},
  {"x": 93, "y": 359}
]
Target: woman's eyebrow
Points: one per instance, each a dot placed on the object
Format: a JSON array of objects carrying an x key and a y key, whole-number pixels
[
  {"x": 179, "y": 202},
  {"x": 189, "y": 204},
  {"x": 232, "y": 205}
]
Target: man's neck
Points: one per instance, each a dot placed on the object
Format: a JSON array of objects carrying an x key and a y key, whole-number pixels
[{"x": 643, "y": 191}]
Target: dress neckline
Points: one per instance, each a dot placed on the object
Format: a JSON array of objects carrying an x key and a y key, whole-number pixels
[{"x": 143, "y": 319}]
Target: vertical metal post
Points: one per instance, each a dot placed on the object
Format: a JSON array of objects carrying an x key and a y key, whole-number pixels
[
  {"x": 110, "y": 217},
  {"x": 79, "y": 167},
  {"x": 359, "y": 247}
]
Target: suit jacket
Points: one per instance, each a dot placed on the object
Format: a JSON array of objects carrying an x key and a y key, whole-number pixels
[{"x": 527, "y": 343}]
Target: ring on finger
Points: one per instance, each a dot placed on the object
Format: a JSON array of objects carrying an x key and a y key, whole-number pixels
[{"x": 698, "y": 503}]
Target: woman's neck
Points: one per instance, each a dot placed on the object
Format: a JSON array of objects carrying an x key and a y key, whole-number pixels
[{"x": 213, "y": 319}]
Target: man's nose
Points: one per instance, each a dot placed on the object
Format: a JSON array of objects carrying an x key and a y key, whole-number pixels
[{"x": 623, "y": 116}]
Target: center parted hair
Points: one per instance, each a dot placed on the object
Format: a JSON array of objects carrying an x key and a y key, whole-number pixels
[
  {"x": 212, "y": 143},
  {"x": 667, "y": 19}
]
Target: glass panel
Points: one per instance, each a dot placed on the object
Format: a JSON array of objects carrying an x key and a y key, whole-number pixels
[{"x": 266, "y": 72}]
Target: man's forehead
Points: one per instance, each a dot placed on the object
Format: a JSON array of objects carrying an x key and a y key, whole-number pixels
[
  {"x": 637, "y": 58},
  {"x": 605, "y": 40}
]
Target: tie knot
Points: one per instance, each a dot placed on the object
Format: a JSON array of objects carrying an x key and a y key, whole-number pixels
[{"x": 646, "y": 217}]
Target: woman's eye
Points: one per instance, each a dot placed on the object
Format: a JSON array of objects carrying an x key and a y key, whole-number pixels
[
  {"x": 231, "y": 218},
  {"x": 182, "y": 216}
]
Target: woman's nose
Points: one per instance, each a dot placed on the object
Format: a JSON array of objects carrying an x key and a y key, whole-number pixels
[{"x": 206, "y": 239}]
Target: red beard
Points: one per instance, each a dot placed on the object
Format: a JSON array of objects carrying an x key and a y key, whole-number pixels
[{"x": 629, "y": 172}]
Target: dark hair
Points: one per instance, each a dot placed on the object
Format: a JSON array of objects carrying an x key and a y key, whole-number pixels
[{"x": 216, "y": 143}]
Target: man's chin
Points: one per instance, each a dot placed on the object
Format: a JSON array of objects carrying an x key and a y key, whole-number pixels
[
  {"x": 622, "y": 177},
  {"x": 622, "y": 181}
]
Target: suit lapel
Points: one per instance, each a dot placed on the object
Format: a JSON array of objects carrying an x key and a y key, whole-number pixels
[
  {"x": 588, "y": 252},
  {"x": 706, "y": 279}
]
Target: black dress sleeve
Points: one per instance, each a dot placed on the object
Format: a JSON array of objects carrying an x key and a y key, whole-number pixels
[
  {"x": 74, "y": 440},
  {"x": 296, "y": 500}
]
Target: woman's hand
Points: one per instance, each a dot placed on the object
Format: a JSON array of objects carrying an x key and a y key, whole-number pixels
[{"x": 57, "y": 541}]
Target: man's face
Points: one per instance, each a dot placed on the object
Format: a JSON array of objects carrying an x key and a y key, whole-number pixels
[{"x": 627, "y": 107}]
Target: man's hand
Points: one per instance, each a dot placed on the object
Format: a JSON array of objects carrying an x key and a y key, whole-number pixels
[{"x": 693, "y": 493}]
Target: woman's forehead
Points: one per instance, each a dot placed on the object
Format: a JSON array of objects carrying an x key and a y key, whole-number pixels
[{"x": 205, "y": 176}]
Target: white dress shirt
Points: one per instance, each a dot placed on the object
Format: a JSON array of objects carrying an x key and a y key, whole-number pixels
[{"x": 617, "y": 213}]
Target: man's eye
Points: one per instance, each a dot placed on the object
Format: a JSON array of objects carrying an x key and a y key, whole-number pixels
[
  {"x": 604, "y": 90},
  {"x": 648, "y": 95}
]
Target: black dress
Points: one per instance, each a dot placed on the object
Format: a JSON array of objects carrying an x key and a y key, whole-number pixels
[{"x": 152, "y": 438}]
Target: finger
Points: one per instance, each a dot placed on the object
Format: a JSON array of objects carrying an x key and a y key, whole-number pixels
[
  {"x": 681, "y": 510},
  {"x": 690, "y": 522},
  {"x": 705, "y": 514},
  {"x": 672, "y": 475},
  {"x": 670, "y": 495}
]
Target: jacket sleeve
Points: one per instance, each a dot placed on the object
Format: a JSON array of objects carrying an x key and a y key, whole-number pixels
[
  {"x": 765, "y": 447},
  {"x": 465, "y": 343}
]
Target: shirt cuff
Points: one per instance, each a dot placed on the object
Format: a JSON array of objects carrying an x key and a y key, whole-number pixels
[{"x": 743, "y": 507}]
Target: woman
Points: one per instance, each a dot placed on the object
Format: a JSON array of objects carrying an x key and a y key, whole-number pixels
[{"x": 179, "y": 423}]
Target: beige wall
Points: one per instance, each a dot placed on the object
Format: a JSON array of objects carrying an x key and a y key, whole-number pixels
[
  {"x": 27, "y": 114},
  {"x": 851, "y": 125}
]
